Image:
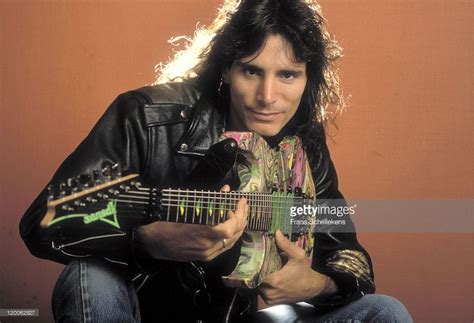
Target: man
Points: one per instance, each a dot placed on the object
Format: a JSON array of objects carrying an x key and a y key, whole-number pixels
[{"x": 268, "y": 72}]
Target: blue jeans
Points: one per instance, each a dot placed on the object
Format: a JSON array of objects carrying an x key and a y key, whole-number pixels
[{"x": 93, "y": 290}]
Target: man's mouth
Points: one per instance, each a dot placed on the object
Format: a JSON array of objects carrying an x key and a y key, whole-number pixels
[{"x": 264, "y": 116}]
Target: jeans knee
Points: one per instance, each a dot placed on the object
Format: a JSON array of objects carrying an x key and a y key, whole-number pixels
[
  {"x": 387, "y": 309},
  {"x": 89, "y": 288}
]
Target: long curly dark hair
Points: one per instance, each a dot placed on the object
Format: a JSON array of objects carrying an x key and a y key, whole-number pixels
[{"x": 240, "y": 30}]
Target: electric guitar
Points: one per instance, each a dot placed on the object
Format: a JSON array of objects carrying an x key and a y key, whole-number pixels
[{"x": 276, "y": 182}]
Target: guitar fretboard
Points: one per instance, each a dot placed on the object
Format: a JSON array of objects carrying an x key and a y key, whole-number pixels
[{"x": 267, "y": 212}]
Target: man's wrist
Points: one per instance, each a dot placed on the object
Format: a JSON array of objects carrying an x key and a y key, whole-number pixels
[
  {"x": 141, "y": 257},
  {"x": 327, "y": 288}
]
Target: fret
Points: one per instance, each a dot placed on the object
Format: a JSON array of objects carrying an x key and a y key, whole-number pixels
[
  {"x": 193, "y": 210},
  {"x": 233, "y": 200},
  {"x": 186, "y": 206},
  {"x": 288, "y": 219},
  {"x": 281, "y": 216},
  {"x": 215, "y": 214},
  {"x": 289, "y": 202},
  {"x": 255, "y": 213},
  {"x": 168, "y": 209},
  {"x": 248, "y": 205},
  {"x": 278, "y": 224},
  {"x": 269, "y": 212},
  {"x": 252, "y": 213},
  {"x": 198, "y": 209},
  {"x": 177, "y": 207},
  {"x": 210, "y": 206},
  {"x": 258, "y": 207},
  {"x": 225, "y": 208},
  {"x": 204, "y": 207},
  {"x": 274, "y": 218},
  {"x": 276, "y": 207},
  {"x": 265, "y": 213},
  {"x": 221, "y": 209}
]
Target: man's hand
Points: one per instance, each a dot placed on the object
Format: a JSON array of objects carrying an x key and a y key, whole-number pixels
[
  {"x": 191, "y": 242},
  {"x": 296, "y": 281}
]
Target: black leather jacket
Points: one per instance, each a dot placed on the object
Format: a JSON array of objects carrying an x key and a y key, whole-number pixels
[{"x": 161, "y": 132}]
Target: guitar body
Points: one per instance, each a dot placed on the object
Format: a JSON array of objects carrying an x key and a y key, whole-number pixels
[
  {"x": 259, "y": 258},
  {"x": 263, "y": 170}
]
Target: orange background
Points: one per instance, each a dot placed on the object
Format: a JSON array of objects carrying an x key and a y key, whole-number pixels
[{"x": 407, "y": 133}]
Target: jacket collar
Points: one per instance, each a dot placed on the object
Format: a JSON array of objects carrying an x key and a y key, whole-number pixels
[{"x": 206, "y": 126}]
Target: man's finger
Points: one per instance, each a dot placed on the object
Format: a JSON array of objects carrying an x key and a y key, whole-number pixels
[
  {"x": 287, "y": 247},
  {"x": 225, "y": 188},
  {"x": 241, "y": 212}
]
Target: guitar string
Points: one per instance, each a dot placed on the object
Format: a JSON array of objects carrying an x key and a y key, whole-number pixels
[
  {"x": 210, "y": 200},
  {"x": 265, "y": 205},
  {"x": 260, "y": 215}
]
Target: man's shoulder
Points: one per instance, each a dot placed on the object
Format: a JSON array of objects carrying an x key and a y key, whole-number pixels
[{"x": 184, "y": 93}]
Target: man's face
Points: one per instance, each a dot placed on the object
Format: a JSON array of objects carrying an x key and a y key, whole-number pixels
[{"x": 265, "y": 88}]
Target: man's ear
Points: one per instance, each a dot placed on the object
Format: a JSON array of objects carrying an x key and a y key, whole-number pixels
[{"x": 225, "y": 76}]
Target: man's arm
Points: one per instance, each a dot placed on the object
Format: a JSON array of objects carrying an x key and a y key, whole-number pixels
[
  {"x": 337, "y": 252},
  {"x": 120, "y": 136}
]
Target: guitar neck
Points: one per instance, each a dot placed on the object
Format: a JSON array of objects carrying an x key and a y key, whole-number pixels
[
  {"x": 267, "y": 212},
  {"x": 124, "y": 202}
]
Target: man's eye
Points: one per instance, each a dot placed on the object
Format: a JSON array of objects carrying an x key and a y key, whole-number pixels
[
  {"x": 249, "y": 71},
  {"x": 287, "y": 75}
]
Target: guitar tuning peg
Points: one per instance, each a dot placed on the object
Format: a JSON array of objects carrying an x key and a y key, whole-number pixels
[
  {"x": 85, "y": 180},
  {"x": 117, "y": 170},
  {"x": 107, "y": 172},
  {"x": 73, "y": 184},
  {"x": 62, "y": 189},
  {"x": 96, "y": 177},
  {"x": 91, "y": 200},
  {"x": 274, "y": 188},
  {"x": 50, "y": 190},
  {"x": 289, "y": 189},
  {"x": 70, "y": 182}
]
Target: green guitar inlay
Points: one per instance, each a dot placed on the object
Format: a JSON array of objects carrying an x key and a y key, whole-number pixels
[
  {"x": 181, "y": 207},
  {"x": 197, "y": 208},
  {"x": 221, "y": 211},
  {"x": 211, "y": 209}
]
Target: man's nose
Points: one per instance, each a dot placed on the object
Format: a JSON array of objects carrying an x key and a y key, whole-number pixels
[{"x": 267, "y": 93}]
